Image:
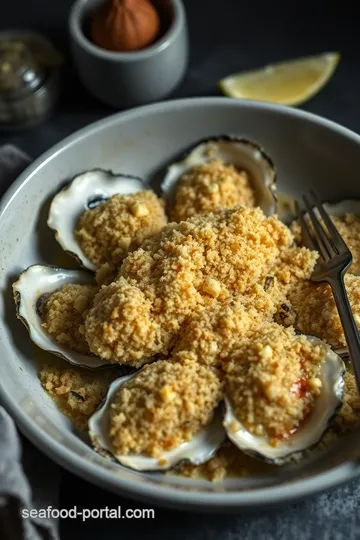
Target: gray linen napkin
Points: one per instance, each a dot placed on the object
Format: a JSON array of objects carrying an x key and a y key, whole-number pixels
[
  {"x": 12, "y": 162},
  {"x": 15, "y": 492},
  {"x": 22, "y": 465}
]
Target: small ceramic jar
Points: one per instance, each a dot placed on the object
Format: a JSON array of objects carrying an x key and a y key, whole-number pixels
[{"x": 126, "y": 79}]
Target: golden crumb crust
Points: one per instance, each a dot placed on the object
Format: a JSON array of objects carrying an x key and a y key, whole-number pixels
[
  {"x": 348, "y": 226},
  {"x": 349, "y": 414},
  {"x": 212, "y": 333},
  {"x": 120, "y": 324},
  {"x": 64, "y": 312},
  {"x": 228, "y": 462},
  {"x": 77, "y": 392},
  {"x": 164, "y": 405},
  {"x": 108, "y": 232},
  {"x": 272, "y": 381},
  {"x": 295, "y": 264},
  {"x": 173, "y": 275},
  {"x": 106, "y": 274},
  {"x": 205, "y": 187},
  {"x": 315, "y": 310}
]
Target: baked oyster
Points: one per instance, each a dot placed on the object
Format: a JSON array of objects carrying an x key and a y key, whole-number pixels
[
  {"x": 197, "y": 449},
  {"x": 310, "y": 431},
  {"x": 31, "y": 292},
  {"x": 85, "y": 192},
  {"x": 247, "y": 157}
]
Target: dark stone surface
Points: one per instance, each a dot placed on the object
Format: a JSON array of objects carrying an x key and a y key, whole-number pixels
[{"x": 226, "y": 36}]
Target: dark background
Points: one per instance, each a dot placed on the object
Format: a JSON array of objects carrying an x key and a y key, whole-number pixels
[{"x": 225, "y": 36}]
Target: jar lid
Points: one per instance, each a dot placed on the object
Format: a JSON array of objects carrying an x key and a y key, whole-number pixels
[
  {"x": 20, "y": 71},
  {"x": 29, "y": 78},
  {"x": 25, "y": 59}
]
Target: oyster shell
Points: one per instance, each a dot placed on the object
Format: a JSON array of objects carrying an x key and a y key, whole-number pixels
[
  {"x": 32, "y": 287},
  {"x": 237, "y": 151},
  {"x": 332, "y": 377},
  {"x": 201, "y": 448},
  {"x": 346, "y": 206},
  {"x": 85, "y": 192}
]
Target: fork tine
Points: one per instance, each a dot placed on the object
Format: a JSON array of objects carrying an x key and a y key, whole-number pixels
[
  {"x": 307, "y": 238},
  {"x": 325, "y": 248},
  {"x": 334, "y": 233}
]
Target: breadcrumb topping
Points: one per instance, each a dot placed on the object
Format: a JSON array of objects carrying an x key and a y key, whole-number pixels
[
  {"x": 295, "y": 264},
  {"x": 162, "y": 284},
  {"x": 212, "y": 333},
  {"x": 120, "y": 325},
  {"x": 349, "y": 414},
  {"x": 77, "y": 392},
  {"x": 228, "y": 461},
  {"x": 106, "y": 274},
  {"x": 64, "y": 313},
  {"x": 272, "y": 381},
  {"x": 205, "y": 187},
  {"x": 164, "y": 405},
  {"x": 315, "y": 310},
  {"x": 348, "y": 226},
  {"x": 114, "y": 228}
]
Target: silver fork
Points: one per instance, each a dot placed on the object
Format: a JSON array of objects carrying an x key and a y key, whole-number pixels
[{"x": 335, "y": 258}]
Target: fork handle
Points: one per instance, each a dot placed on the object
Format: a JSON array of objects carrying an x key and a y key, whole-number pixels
[{"x": 348, "y": 323}]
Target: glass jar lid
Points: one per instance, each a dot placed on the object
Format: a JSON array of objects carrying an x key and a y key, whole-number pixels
[{"x": 20, "y": 70}]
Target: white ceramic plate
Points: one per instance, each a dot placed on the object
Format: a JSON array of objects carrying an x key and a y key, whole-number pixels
[{"x": 307, "y": 150}]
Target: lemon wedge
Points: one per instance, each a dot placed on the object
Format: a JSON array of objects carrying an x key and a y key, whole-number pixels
[{"x": 287, "y": 83}]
